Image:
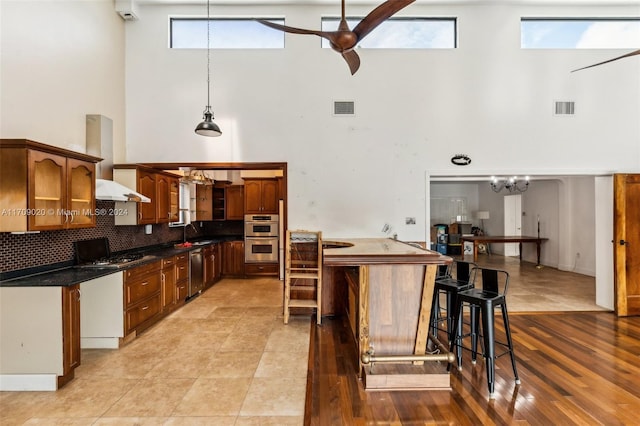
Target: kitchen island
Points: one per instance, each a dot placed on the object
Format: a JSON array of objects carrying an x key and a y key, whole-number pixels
[{"x": 384, "y": 288}]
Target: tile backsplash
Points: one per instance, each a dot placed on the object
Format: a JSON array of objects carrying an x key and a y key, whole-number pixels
[{"x": 21, "y": 251}]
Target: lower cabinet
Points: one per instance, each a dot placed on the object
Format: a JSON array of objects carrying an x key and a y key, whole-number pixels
[
  {"x": 142, "y": 297},
  {"x": 70, "y": 332},
  {"x": 209, "y": 266},
  {"x": 233, "y": 258},
  {"x": 168, "y": 281},
  {"x": 182, "y": 277}
]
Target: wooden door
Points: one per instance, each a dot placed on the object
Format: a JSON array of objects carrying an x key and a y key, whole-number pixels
[
  {"x": 147, "y": 187},
  {"x": 252, "y": 196},
  {"x": 512, "y": 222},
  {"x": 81, "y": 193},
  {"x": 270, "y": 196},
  {"x": 626, "y": 252},
  {"x": 168, "y": 290},
  {"x": 47, "y": 191},
  {"x": 71, "y": 327},
  {"x": 204, "y": 202},
  {"x": 174, "y": 199},
  {"x": 235, "y": 202},
  {"x": 162, "y": 199}
]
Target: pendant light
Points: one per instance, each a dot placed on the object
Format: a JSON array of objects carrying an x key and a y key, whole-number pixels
[{"x": 208, "y": 127}]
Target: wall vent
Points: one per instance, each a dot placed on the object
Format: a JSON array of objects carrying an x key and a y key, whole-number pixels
[
  {"x": 344, "y": 108},
  {"x": 564, "y": 108}
]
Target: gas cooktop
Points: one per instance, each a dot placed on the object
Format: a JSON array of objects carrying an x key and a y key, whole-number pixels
[{"x": 116, "y": 261}]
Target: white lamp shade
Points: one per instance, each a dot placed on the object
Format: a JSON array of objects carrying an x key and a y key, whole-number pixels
[{"x": 482, "y": 215}]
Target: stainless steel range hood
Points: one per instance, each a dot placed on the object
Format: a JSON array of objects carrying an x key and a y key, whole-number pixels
[
  {"x": 113, "y": 191},
  {"x": 100, "y": 144}
]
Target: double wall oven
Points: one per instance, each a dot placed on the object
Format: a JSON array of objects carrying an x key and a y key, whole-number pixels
[{"x": 261, "y": 238}]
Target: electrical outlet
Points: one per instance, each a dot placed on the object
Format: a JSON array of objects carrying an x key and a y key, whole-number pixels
[{"x": 410, "y": 220}]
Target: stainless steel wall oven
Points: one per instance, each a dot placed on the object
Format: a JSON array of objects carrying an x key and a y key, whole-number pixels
[{"x": 261, "y": 238}]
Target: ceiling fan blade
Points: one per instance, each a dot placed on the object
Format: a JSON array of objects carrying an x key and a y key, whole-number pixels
[
  {"x": 637, "y": 52},
  {"x": 379, "y": 15},
  {"x": 294, "y": 30},
  {"x": 353, "y": 60}
]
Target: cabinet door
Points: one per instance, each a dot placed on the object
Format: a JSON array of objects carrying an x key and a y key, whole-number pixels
[
  {"x": 70, "y": 328},
  {"x": 162, "y": 199},
  {"x": 174, "y": 199},
  {"x": 252, "y": 196},
  {"x": 270, "y": 196},
  {"x": 227, "y": 258},
  {"x": 217, "y": 254},
  {"x": 204, "y": 202},
  {"x": 235, "y": 202},
  {"x": 168, "y": 280},
  {"x": 147, "y": 187},
  {"x": 209, "y": 265},
  {"x": 238, "y": 257},
  {"x": 81, "y": 193},
  {"x": 47, "y": 190}
]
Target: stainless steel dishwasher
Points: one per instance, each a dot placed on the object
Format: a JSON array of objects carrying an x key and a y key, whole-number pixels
[{"x": 196, "y": 283}]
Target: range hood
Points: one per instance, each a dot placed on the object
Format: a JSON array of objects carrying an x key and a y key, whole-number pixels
[
  {"x": 113, "y": 191},
  {"x": 100, "y": 143}
]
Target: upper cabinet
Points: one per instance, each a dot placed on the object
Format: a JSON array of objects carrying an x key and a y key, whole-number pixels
[
  {"x": 45, "y": 188},
  {"x": 260, "y": 196},
  {"x": 234, "y": 195},
  {"x": 162, "y": 188}
]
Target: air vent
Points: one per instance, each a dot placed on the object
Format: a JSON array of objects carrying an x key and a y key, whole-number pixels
[
  {"x": 343, "y": 108},
  {"x": 565, "y": 108}
]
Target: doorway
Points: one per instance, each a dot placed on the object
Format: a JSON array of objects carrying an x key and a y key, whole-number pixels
[{"x": 512, "y": 222}]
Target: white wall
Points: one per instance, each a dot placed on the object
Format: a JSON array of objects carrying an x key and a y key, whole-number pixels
[
  {"x": 60, "y": 61},
  {"x": 414, "y": 110}
]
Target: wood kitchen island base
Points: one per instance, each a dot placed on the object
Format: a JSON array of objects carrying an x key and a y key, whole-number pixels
[{"x": 384, "y": 288}]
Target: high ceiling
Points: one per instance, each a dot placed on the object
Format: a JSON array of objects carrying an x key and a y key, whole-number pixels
[{"x": 263, "y": 2}]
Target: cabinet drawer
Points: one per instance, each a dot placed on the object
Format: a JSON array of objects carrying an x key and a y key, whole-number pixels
[
  {"x": 261, "y": 268},
  {"x": 168, "y": 261},
  {"x": 142, "y": 312},
  {"x": 140, "y": 289},
  {"x": 182, "y": 257},
  {"x": 182, "y": 291},
  {"x": 182, "y": 271},
  {"x": 140, "y": 271}
]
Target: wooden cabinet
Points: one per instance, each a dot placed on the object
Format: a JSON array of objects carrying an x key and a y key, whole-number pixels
[
  {"x": 182, "y": 277},
  {"x": 70, "y": 332},
  {"x": 233, "y": 258},
  {"x": 261, "y": 196},
  {"x": 142, "y": 297},
  {"x": 45, "y": 188},
  {"x": 261, "y": 268},
  {"x": 234, "y": 195},
  {"x": 217, "y": 253},
  {"x": 204, "y": 202},
  {"x": 162, "y": 188},
  {"x": 209, "y": 265},
  {"x": 219, "y": 202},
  {"x": 168, "y": 277}
]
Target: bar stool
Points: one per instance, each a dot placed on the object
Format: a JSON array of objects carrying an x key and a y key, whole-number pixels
[
  {"x": 482, "y": 302},
  {"x": 450, "y": 286}
]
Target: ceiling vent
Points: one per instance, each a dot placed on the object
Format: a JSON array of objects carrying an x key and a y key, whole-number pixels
[
  {"x": 344, "y": 108},
  {"x": 564, "y": 108}
]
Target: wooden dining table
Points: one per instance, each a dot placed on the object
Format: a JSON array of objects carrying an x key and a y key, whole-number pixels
[{"x": 479, "y": 239}]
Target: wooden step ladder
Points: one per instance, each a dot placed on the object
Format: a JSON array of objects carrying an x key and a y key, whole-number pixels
[{"x": 303, "y": 264}]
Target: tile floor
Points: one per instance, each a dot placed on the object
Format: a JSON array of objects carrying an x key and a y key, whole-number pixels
[{"x": 225, "y": 358}]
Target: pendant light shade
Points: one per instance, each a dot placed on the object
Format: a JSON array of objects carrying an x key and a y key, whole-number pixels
[{"x": 208, "y": 127}]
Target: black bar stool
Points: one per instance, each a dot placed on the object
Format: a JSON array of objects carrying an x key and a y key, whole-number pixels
[
  {"x": 483, "y": 301},
  {"x": 450, "y": 286}
]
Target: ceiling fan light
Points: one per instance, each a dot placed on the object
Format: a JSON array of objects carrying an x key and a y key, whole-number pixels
[{"x": 208, "y": 127}]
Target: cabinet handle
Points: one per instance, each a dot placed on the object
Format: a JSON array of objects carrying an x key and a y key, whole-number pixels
[
  {"x": 72, "y": 216},
  {"x": 163, "y": 278},
  {"x": 145, "y": 283},
  {"x": 79, "y": 294},
  {"x": 144, "y": 308}
]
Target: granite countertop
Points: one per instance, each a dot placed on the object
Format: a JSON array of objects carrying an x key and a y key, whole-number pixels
[{"x": 66, "y": 274}]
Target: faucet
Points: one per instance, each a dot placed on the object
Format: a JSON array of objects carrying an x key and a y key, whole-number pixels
[{"x": 184, "y": 231}]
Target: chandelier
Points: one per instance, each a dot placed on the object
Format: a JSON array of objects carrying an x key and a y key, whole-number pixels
[{"x": 511, "y": 184}]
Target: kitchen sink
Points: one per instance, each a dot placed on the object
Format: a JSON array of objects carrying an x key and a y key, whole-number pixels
[{"x": 202, "y": 243}]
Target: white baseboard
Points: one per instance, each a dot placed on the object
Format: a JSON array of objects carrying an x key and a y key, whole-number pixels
[
  {"x": 99, "y": 342},
  {"x": 28, "y": 382}
]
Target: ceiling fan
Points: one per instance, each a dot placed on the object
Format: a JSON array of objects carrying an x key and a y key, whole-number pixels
[
  {"x": 345, "y": 40},
  {"x": 637, "y": 52}
]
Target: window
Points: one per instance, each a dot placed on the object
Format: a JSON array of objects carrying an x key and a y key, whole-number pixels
[
  {"x": 226, "y": 33},
  {"x": 579, "y": 33},
  {"x": 403, "y": 33}
]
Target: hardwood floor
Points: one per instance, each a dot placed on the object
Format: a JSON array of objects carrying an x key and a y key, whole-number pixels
[{"x": 575, "y": 368}]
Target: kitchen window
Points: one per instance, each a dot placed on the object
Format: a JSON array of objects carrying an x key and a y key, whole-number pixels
[
  {"x": 580, "y": 33},
  {"x": 225, "y": 33},
  {"x": 403, "y": 33}
]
